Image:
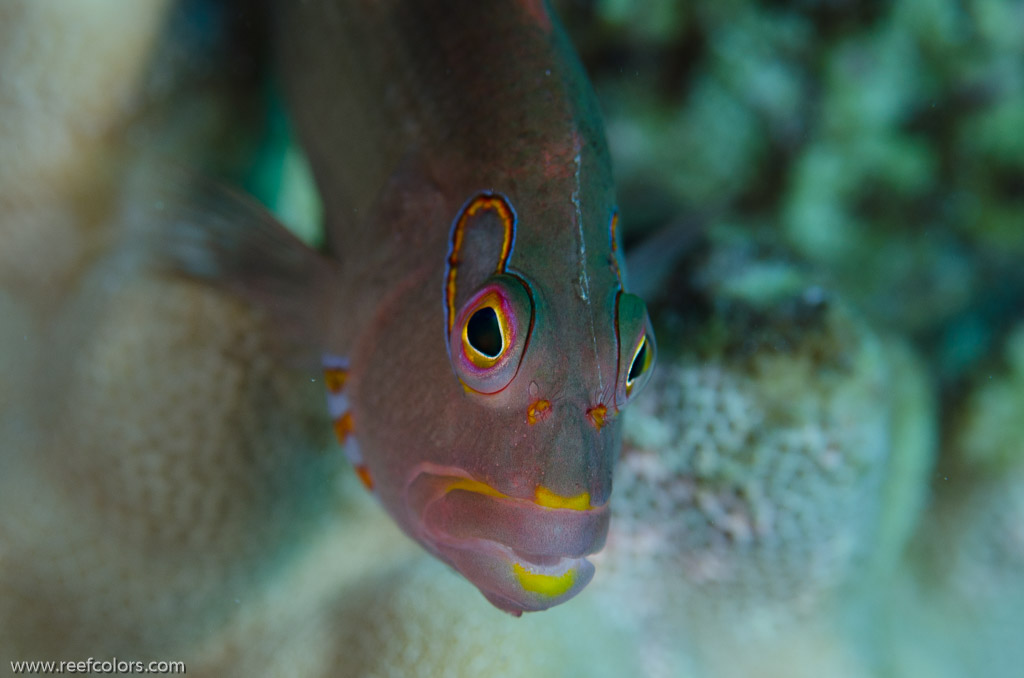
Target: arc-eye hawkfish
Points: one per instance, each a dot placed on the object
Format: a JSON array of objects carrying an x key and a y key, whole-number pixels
[{"x": 477, "y": 341}]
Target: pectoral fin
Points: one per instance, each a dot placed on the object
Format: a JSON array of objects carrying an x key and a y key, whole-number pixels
[{"x": 210, "y": 233}]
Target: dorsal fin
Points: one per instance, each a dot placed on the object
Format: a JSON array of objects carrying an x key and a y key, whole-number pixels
[{"x": 651, "y": 262}]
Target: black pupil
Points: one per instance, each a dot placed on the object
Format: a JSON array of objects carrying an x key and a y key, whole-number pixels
[
  {"x": 637, "y": 368},
  {"x": 483, "y": 332}
]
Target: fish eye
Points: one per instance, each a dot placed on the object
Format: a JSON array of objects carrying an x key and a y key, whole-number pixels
[
  {"x": 483, "y": 333},
  {"x": 637, "y": 348},
  {"x": 641, "y": 363},
  {"x": 491, "y": 331},
  {"x": 485, "y": 326}
]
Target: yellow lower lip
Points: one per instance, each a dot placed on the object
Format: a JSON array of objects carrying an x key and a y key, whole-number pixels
[{"x": 548, "y": 585}]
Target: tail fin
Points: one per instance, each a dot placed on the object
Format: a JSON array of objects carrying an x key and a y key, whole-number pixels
[{"x": 210, "y": 233}]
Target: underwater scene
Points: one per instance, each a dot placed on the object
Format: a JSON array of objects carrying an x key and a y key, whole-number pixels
[{"x": 512, "y": 338}]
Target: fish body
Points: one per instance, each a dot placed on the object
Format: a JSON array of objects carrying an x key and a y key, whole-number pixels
[{"x": 478, "y": 345}]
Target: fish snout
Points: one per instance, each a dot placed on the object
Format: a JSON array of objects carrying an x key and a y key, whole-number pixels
[
  {"x": 581, "y": 454},
  {"x": 523, "y": 554}
]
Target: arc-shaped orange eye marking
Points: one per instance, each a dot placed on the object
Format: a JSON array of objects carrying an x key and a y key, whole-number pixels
[{"x": 481, "y": 203}]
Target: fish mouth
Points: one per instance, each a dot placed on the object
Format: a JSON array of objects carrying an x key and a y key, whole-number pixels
[{"x": 524, "y": 555}]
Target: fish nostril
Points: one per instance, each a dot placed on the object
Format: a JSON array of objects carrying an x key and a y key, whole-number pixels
[{"x": 598, "y": 415}]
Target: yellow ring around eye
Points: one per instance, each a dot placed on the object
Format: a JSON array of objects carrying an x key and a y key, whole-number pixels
[
  {"x": 643, "y": 368},
  {"x": 475, "y": 356}
]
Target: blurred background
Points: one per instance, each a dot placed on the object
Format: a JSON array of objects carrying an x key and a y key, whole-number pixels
[{"x": 822, "y": 202}]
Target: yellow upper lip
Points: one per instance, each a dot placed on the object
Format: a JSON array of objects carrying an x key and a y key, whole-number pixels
[
  {"x": 450, "y": 508},
  {"x": 542, "y": 496}
]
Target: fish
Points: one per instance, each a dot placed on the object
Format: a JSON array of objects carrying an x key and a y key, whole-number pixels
[{"x": 469, "y": 307}]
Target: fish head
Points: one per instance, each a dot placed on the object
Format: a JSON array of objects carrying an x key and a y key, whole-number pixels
[{"x": 509, "y": 477}]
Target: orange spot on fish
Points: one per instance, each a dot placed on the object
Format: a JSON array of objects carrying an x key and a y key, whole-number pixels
[
  {"x": 364, "y": 477},
  {"x": 537, "y": 411},
  {"x": 597, "y": 416},
  {"x": 343, "y": 427},
  {"x": 335, "y": 379}
]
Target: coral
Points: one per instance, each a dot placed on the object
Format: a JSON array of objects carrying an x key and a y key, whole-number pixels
[
  {"x": 773, "y": 468},
  {"x": 989, "y": 438},
  {"x": 158, "y": 466},
  {"x": 867, "y": 136},
  {"x": 176, "y": 467},
  {"x": 960, "y": 615},
  {"x": 419, "y": 619},
  {"x": 961, "y": 611}
]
